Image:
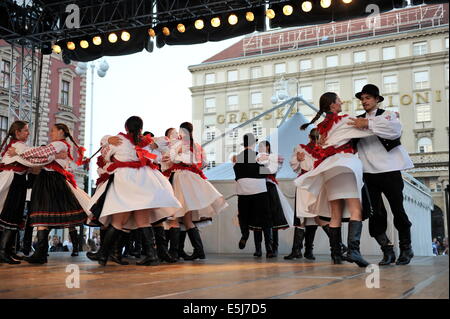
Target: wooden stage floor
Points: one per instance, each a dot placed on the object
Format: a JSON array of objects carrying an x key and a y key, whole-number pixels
[{"x": 226, "y": 276}]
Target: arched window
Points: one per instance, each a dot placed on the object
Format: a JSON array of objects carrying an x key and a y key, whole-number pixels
[{"x": 425, "y": 145}]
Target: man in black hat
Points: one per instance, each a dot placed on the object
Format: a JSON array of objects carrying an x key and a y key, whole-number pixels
[
  {"x": 383, "y": 159},
  {"x": 253, "y": 199}
]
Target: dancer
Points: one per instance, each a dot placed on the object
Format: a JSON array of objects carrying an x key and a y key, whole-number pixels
[
  {"x": 279, "y": 206},
  {"x": 336, "y": 180},
  {"x": 56, "y": 201},
  {"x": 136, "y": 194},
  {"x": 383, "y": 158},
  {"x": 198, "y": 197}
]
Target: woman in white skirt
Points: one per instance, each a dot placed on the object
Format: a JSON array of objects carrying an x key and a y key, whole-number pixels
[
  {"x": 335, "y": 182},
  {"x": 198, "y": 197},
  {"x": 136, "y": 194}
]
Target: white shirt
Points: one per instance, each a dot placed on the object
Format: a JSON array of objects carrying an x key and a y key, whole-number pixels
[{"x": 373, "y": 155}]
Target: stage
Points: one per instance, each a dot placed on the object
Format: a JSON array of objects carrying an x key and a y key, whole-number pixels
[{"x": 235, "y": 276}]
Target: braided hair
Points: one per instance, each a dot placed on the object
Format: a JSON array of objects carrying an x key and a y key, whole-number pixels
[
  {"x": 325, "y": 102},
  {"x": 15, "y": 126},
  {"x": 190, "y": 128},
  {"x": 134, "y": 126}
]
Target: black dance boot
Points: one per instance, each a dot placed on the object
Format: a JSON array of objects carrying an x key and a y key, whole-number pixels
[
  {"x": 181, "y": 252},
  {"x": 174, "y": 240},
  {"x": 257, "y": 236},
  {"x": 161, "y": 245},
  {"x": 406, "y": 252},
  {"x": 335, "y": 244},
  {"x": 151, "y": 258},
  {"x": 137, "y": 237},
  {"x": 275, "y": 242},
  {"x": 8, "y": 236},
  {"x": 299, "y": 234},
  {"x": 354, "y": 236},
  {"x": 387, "y": 248},
  {"x": 110, "y": 236},
  {"x": 326, "y": 229},
  {"x": 196, "y": 241},
  {"x": 102, "y": 236},
  {"x": 73, "y": 234},
  {"x": 310, "y": 233},
  {"x": 127, "y": 244},
  {"x": 116, "y": 255},
  {"x": 40, "y": 254},
  {"x": 268, "y": 242},
  {"x": 11, "y": 248}
]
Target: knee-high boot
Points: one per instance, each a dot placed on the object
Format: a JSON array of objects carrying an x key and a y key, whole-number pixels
[
  {"x": 335, "y": 244},
  {"x": 151, "y": 258},
  {"x": 181, "y": 252},
  {"x": 310, "y": 234},
  {"x": 406, "y": 252},
  {"x": 174, "y": 240},
  {"x": 275, "y": 242},
  {"x": 110, "y": 236},
  {"x": 161, "y": 245},
  {"x": 268, "y": 241},
  {"x": 116, "y": 255},
  {"x": 296, "y": 252},
  {"x": 326, "y": 229},
  {"x": 137, "y": 248},
  {"x": 11, "y": 248},
  {"x": 387, "y": 248},
  {"x": 257, "y": 237},
  {"x": 7, "y": 237},
  {"x": 40, "y": 254},
  {"x": 196, "y": 241},
  {"x": 73, "y": 234},
  {"x": 354, "y": 236}
]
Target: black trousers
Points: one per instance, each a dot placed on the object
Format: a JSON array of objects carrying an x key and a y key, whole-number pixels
[{"x": 391, "y": 185}]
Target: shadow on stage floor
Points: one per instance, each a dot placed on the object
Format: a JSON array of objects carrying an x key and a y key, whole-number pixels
[{"x": 225, "y": 276}]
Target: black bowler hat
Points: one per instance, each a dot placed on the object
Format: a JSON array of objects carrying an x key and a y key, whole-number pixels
[
  {"x": 249, "y": 139},
  {"x": 372, "y": 90}
]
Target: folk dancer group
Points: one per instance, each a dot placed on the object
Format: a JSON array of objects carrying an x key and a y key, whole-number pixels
[{"x": 156, "y": 186}]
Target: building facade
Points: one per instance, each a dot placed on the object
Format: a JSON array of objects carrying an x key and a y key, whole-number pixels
[{"x": 404, "y": 52}]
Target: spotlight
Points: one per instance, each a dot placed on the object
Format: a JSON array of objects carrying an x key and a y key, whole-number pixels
[
  {"x": 84, "y": 44},
  {"x": 149, "y": 45},
  {"x": 71, "y": 45},
  {"x": 325, "y": 3},
  {"x": 250, "y": 16},
  {"x": 151, "y": 32},
  {"x": 125, "y": 36},
  {"x": 306, "y": 6},
  {"x": 181, "y": 28},
  {"x": 56, "y": 49},
  {"x": 112, "y": 37},
  {"x": 166, "y": 31},
  {"x": 233, "y": 19},
  {"x": 215, "y": 22},
  {"x": 97, "y": 40},
  {"x": 287, "y": 10},
  {"x": 270, "y": 14},
  {"x": 46, "y": 48},
  {"x": 199, "y": 24},
  {"x": 347, "y": 1}
]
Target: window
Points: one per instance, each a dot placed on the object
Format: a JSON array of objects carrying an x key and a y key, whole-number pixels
[
  {"x": 232, "y": 75},
  {"x": 233, "y": 134},
  {"x": 420, "y": 48},
  {"x": 421, "y": 80},
  {"x": 256, "y": 72},
  {"x": 256, "y": 98},
  {"x": 257, "y": 128},
  {"x": 5, "y": 74},
  {"x": 27, "y": 80},
  {"x": 232, "y": 102},
  {"x": 210, "y": 78},
  {"x": 280, "y": 68},
  {"x": 65, "y": 90},
  {"x": 211, "y": 164},
  {"x": 210, "y": 133},
  {"x": 210, "y": 105},
  {"x": 306, "y": 92},
  {"x": 358, "y": 84},
  {"x": 332, "y": 87},
  {"x": 423, "y": 113},
  {"x": 3, "y": 127},
  {"x": 390, "y": 84},
  {"x": 305, "y": 65},
  {"x": 389, "y": 53},
  {"x": 359, "y": 57},
  {"x": 332, "y": 61},
  {"x": 425, "y": 145}
]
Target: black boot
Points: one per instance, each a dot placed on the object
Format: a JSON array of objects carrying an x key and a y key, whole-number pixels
[
  {"x": 174, "y": 240},
  {"x": 268, "y": 242},
  {"x": 335, "y": 244},
  {"x": 326, "y": 229},
  {"x": 73, "y": 234},
  {"x": 151, "y": 258},
  {"x": 275, "y": 242},
  {"x": 181, "y": 252},
  {"x": 161, "y": 245},
  {"x": 137, "y": 238},
  {"x": 310, "y": 233},
  {"x": 299, "y": 234},
  {"x": 406, "y": 252},
  {"x": 27, "y": 239},
  {"x": 40, "y": 254},
  {"x": 387, "y": 248},
  {"x": 11, "y": 248},
  {"x": 102, "y": 236},
  {"x": 127, "y": 244},
  {"x": 116, "y": 255},
  {"x": 257, "y": 236},
  {"x": 196, "y": 241},
  {"x": 110, "y": 236},
  {"x": 7, "y": 237},
  {"x": 354, "y": 236}
]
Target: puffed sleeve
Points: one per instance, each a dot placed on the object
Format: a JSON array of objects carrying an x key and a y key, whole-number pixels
[
  {"x": 107, "y": 149},
  {"x": 185, "y": 156},
  {"x": 295, "y": 164},
  {"x": 163, "y": 144},
  {"x": 269, "y": 161},
  {"x": 386, "y": 125}
]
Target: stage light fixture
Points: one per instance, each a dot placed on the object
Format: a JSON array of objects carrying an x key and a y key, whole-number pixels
[
  {"x": 71, "y": 45},
  {"x": 151, "y": 32},
  {"x": 270, "y": 14},
  {"x": 233, "y": 19},
  {"x": 287, "y": 10},
  {"x": 166, "y": 31},
  {"x": 56, "y": 49},
  {"x": 325, "y": 3},
  {"x": 181, "y": 28},
  {"x": 215, "y": 22},
  {"x": 97, "y": 40},
  {"x": 250, "y": 16},
  {"x": 306, "y": 6},
  {"x": 112, "y": 37},
  {"x": 199, "y": 24},
  {"x": 125, "y": 36},
  {"x": 84, "y": 44},
  {"x": 347, "y": 1}
]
